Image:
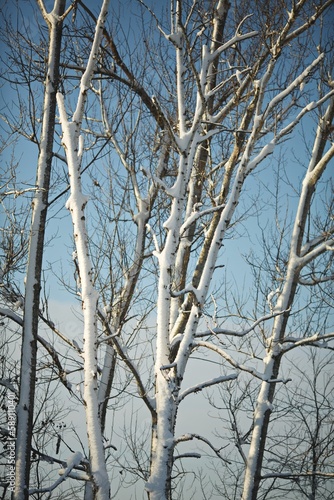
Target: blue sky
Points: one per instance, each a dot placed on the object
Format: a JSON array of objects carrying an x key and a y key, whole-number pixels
[
  {"x": 257, "y": 188},
  {"x": 59, "y": 231}
]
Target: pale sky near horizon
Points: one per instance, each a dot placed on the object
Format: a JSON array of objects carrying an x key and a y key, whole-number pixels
[{"x": 59, "y": 235}]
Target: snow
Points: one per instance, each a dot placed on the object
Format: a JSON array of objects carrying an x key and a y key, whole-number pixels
[
  {"x": 311, "y": 106},
  {"x": 73, "y": 145},
  {"x": 238, "y": 76},
  {"x": 74, "y": 460},
  {"x": 207, "y": 383},
  {"x": 296, "y": 83},
  {"x": 257, "y": 120},
  {"x": 78, "y": 475},
  {"x": 221, "y": 8},
  {"x": 231, "y": 42}
]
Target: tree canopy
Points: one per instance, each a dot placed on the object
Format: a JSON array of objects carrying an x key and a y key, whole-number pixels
[{"x": 166, "y": 287}]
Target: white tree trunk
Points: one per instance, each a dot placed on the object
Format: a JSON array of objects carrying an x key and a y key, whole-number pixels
[
  {"x": 73, "y": 145},
  {"x": 25, "y": 407},
  {"x": 299, "y": 256}
]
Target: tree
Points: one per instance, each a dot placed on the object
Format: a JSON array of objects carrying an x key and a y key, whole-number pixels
[
  {"x": 36, "y": 244},
  {"x": 174, "y": 126},
  {"x": 299, "y": 448},
  {"x": 309, "y": 449}
]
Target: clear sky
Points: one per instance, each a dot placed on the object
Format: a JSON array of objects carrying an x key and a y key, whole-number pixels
[{"x": 59, "y": 231}]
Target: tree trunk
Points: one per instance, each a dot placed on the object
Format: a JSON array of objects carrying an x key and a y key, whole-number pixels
[
  {"x": 73, "y": 144},
  {"x": 297, "y": 259},
  {"x": 159, "y": 485},
  {"x": 35, "y": 258}
]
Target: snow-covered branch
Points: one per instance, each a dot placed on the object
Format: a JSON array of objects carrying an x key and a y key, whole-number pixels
[
  {"x": 228, "y": 358},
  {"x": 208, "y": 383},
  {"x": 310, "y": 245},
  {"x": 86, "y": 78},
  {"x": 293, "y": 85},
  {"x": 261, "y": 376},
  {"x": 190, "y": 437},
  {"x": 314, "y": 280},
  {"x": 316, "y": 340},
  {"x": 197, "y": 214},
  {"x": 8, "y": 313},
  {"x": 235, "y": 39},
  {"x": 315, "y": 252},
  {"x": 73, "y": 145},
  {"x": 72, "y": 462},
  {"x": 235, "y": 333}
]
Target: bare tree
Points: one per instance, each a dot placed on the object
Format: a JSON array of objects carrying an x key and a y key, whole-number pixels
[
  {"x": 36, "y": 245},
  {"x": 301, "y": 459},
  {"x": 172, "y": 124}
]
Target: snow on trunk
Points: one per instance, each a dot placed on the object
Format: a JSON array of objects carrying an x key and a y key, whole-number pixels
[
  {"x": 73, "y": 145},
  {"x": 25, "y": 407},
  {"x": 76, "y": 205},
  {"x": 168, "y": 373},
  {"x": 298, "y": 257},
  {"x": 158, "y": 485}
]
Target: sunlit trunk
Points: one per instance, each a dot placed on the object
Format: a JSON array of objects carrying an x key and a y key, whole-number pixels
[{"x": 25, "y": 409}]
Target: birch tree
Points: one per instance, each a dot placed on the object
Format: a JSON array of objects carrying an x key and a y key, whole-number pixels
[
  {"x": 173, "y": 127},
  {"x": 34, "y": 268},
  {"x": 72, "y": 141}
]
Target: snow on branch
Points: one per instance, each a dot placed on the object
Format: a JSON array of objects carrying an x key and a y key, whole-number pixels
[
  {"x": 72, "y": 462},
  {"x": 79, "y": 476},
  {"x": 320, "y": 8},
  {"x": 190, "y": 437},
  {"x": 196, "y": 214},
  {"x": 310, "y": 245},
  {"x": 314, "y": 280},
  {"x": 19, "y": 192},
  {"x": 296, "y": 83},
  {"x": 315, "y": 252},
  {"x": 8, "y": 313},
  {"x": 242, "y": 333},
  {"x": 208, "y": 383},
  {"x": 268, "y": 148},
  {"x": 237, "y": 365},
  {"x": 316, "y": 340},
  {"x": 91, "y": 64},
  {"x": 309, "y": 107},
  {"x": 155, "y": 240},
  {"x": 236, "y": 39},
  {"x": 228, "y": 358}
]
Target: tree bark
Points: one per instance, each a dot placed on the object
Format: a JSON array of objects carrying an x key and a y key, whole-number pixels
[
  {"x": 25, "y": 407},
  {"x": 297, "y": 259}
]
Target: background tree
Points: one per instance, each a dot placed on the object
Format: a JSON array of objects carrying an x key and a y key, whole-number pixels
[
  {"x": 34, "y": 266},
  {"x": 172, "y": 123}
]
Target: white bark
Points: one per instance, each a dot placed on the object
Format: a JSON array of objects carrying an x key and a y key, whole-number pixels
[
  {"x": 25, "y": 407},
  {"x": 271, "y": 363},
  {"x": 73, "y": 145},
  {"x": 218, "y": 93}
]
